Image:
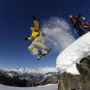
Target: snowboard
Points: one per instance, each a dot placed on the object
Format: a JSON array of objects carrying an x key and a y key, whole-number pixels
[{"x": 44, "y": 55}]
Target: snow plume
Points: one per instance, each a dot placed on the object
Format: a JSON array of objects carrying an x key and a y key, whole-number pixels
[
  {"x": 58, "y": 33},
  {"x": 78, "y": 50}
]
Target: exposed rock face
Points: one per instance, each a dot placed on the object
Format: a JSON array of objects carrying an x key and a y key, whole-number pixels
[{"x": 77, "y": 82}]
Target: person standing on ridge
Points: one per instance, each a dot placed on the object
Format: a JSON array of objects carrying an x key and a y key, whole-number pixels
[
  {"x": 76, "y": 24},
  {"x": 85, "y": 24},
  {"x": 37, "y": 44}
]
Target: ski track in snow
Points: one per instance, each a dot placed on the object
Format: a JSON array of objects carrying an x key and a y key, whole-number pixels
[{"x": 67, "y": 60}]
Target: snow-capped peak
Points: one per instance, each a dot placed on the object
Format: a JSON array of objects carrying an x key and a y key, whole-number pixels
[{"x": 28, "y": 70}]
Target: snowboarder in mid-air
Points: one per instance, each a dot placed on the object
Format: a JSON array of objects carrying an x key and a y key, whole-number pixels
[
  {"x": 37, "y": 45},
  {"x": 76, "y": 24}
]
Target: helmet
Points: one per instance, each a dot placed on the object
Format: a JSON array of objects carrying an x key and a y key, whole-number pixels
[{"x": 83, "y": 18}]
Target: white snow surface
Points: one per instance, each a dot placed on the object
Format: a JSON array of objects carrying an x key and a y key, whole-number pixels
[
  {"x": 79, "y": 49},
  {"x": 45, "y": 87}
]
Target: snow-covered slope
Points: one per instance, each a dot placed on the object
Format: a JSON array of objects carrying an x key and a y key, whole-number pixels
[
  {"x": 46, "y": 87},
  {"x": 67, "y": 60}
]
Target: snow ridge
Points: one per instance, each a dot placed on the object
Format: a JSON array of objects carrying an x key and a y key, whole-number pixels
[
  {"x": 67, "y": 60},
  {"x": 28, "y": 70}
]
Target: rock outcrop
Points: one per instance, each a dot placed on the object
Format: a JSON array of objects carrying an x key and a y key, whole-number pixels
[{"x": 68, "y": 81}]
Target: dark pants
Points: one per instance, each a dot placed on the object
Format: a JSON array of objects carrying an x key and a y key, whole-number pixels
[{"x": 80, "y": 31}]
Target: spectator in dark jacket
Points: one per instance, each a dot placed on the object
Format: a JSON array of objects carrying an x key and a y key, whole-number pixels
[{"x": 76, "y": 24}]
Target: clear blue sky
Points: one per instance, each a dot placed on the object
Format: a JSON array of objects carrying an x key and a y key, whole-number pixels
[{"x": 16, "y": 16}]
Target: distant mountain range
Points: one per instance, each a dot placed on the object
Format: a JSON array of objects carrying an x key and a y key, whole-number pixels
[{"x": 25, "y": 77}]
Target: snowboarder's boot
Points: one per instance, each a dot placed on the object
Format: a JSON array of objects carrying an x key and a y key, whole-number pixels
[
  {"x": 39, "y": 55},
  {"x": 47, "y": 52}
]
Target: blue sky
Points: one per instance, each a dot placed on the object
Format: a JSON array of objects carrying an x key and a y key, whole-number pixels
[{"x": 16, "y": 16}]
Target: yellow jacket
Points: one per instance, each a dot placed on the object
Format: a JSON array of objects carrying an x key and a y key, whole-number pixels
[{"x": 35, "y": 31}]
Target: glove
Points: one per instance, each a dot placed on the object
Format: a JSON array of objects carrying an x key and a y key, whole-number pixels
[
  {"x": 34, "y": 18},
  {"x": 26, "y": 38}
]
